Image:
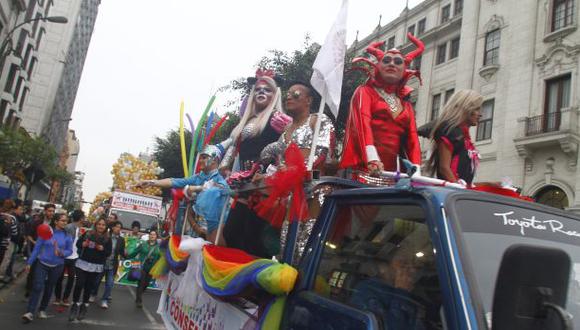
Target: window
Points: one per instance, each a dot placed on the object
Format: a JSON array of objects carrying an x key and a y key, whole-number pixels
[
  {"x": 448, "y": 95},
  {"x": 3, "y": 108},
  {"x": 31, "y": 67},
  {"x": 391, "y": 43},
  {"x": 445, "y": 13},
  {"x": 552, "y": 196},
  {"x": 11, "y": 78},
  {"x": 41, "y": 34},
  {"x": 557, "y": 98},
  {"x": 458, "y": 7},
  {"x": 380, "y": 259},
  {"x": 485, "y": 124},
  {"x": 441, "y": 50},
  {"x": 562, "y": 13},
  {"x": 29, "y": 50},
  {"x": 36, "y": 24},
  {"x": 491, "y": 55},
  {"x": 416, "y": 64},
  {"x": 18, "y": 88},
  {"x": 435, "y": 105},
  {"x": 421, "y": 26},
  {"x": 411, "y": 29},
  {"x": 23, "y": 98},
  {"x": 10, "y": 118},
  {"x": 454, "y": 51}
]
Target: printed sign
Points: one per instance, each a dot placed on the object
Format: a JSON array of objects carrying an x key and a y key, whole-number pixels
[
  {"x": 505, "y": 219},
  {"x": 201, "y": 311},
  {"x": 150, "y": 205}
]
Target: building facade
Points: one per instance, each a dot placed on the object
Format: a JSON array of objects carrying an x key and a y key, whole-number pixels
[
  {"x": 19, "y": 53},
  {"x": 55, "y": 125},
  {"x": 523, "y": 57}
]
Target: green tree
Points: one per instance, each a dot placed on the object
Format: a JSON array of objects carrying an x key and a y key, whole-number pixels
[
  {"x": 25, "y": 159},
  {"x": 297, "y": 66}
]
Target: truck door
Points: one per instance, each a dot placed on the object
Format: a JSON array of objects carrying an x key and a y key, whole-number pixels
[{"x": 374, "y": 268}]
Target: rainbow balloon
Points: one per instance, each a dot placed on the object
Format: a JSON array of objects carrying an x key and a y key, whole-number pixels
[{"x": 182, "y": 140}]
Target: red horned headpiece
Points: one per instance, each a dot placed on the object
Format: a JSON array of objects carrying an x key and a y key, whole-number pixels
[
  {"x": 375, "y": 50},
  {"x": 264, "y": 73}
]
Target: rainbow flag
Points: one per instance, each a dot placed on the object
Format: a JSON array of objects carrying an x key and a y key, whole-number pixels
[{"x": 228, "y": 272}]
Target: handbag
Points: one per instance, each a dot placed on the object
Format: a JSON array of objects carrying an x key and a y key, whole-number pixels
[{"x": 136, "y": 268}]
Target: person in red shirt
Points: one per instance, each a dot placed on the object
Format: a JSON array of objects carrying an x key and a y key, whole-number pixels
[{"x": 381, "y": 125}]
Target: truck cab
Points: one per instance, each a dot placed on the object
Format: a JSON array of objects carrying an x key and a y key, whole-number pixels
[{"x": 420, "y": 258}]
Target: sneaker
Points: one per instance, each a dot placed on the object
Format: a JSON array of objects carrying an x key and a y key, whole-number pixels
[
  {"x": 104, "y": 305},
  {"x": 43, "y": 315},
  {"x": 57, "y": 303},
  {"x": 82, "y": 312},
  {"x": 92, "y": 299},
  {"x": 139, "y": 304},
  {"x": 27, "y": 317},
  {"x": 65, "y": 303},
  {"x": 74, "y": 311}
]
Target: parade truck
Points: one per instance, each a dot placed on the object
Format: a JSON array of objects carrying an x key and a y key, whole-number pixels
[
  {"x": 408, "y": 256},
  {"x": 130, "y": 207}
]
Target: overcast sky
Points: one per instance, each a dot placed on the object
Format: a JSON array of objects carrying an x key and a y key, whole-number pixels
[{"x": 146, "y": 56}]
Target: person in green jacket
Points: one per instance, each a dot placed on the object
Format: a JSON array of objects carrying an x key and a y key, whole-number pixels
[{"x": 148, "y": 252}]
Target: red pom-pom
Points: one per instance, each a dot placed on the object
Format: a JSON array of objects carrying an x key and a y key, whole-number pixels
[{"x": 44, "y": 231}]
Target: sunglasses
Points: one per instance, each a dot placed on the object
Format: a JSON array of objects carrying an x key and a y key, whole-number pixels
[
  {"x": 395, "y": 60},
  {"x": 295, "y": 94}
]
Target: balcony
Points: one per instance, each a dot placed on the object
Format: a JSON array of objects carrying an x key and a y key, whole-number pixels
[{"x": 558, "y": 129}]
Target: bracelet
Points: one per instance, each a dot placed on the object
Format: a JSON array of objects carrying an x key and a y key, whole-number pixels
[{"x": 186, "y": 192}]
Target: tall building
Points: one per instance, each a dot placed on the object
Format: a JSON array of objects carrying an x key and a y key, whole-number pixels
[
  {"x": 55, "y": 126},
  {"x": 523, "y": 57},
  {"x": 19, "y": 53}
]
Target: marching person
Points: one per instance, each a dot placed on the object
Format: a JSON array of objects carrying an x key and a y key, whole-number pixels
[
  {"x": 49, "y": 256},
  {"x": 11, "y": 210},
  {"x": 74, "y": 231},
  {"x": 381, "y": 124},
  {"x": 454, "y": 157},
  {"x": 31, "y": 236},
  {"x": 148, "y": 253},
  {"x": 94, "y": 246},
  {"x": 112, "y": 263}
]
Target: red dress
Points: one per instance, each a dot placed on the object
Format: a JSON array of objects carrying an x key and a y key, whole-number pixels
[{"x": 371, "y": 126}]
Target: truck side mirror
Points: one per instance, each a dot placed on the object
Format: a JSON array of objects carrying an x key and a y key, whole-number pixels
[{"x": 531, "y": 289}]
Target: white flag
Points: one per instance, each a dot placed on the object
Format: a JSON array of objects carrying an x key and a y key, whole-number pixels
[{"x": 329, "y": 64}]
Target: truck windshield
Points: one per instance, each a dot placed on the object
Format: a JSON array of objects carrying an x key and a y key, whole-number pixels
[
  {"x": 489, "y": 228},
  {"x": 127, "y": 218}
]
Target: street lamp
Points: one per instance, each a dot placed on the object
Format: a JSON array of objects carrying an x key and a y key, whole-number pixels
[{"x": 8, "y": 39}]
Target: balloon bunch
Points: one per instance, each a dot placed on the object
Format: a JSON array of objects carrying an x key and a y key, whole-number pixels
[
  {"x": 129, "y": 170},
  {"x": 96, "y": 209}
]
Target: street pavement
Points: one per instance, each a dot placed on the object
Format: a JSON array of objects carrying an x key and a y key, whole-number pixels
[{"x": 122, "y": 313}]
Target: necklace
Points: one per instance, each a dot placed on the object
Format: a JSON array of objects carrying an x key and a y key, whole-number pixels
[{"x": 390, "y": 98}]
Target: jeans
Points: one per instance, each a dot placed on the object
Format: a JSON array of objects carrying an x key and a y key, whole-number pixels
[
  {"x": 109, "y": 283},
  {"x": 69, "y": 266},
  {"x": 85, "y": 284},
  {"x": 44, "y": 280},
  {"x": 142, "y": 285}
]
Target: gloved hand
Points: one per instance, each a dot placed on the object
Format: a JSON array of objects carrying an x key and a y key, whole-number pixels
[{"x": 280, "y": 121}]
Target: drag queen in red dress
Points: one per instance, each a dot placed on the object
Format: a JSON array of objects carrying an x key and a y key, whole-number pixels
[{"x": 381, "y": 125}]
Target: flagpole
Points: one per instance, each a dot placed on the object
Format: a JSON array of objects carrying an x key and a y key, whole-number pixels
[{"x": 315, "y": 135}]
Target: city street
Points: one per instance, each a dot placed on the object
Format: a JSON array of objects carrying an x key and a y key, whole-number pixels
[{"x": 122, "y": 313}]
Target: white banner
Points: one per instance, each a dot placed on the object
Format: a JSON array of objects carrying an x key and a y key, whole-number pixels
[
  {"x": 150, "y": 205},
  {"x": 197, "y": 309}
]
